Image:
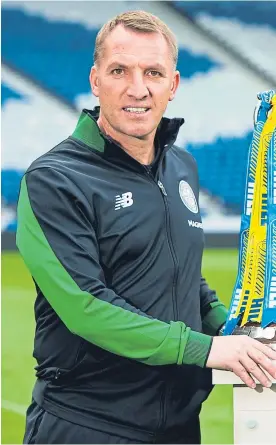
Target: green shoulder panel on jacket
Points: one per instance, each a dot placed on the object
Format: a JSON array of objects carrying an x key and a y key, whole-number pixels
[{"x": 87, "y": 131}]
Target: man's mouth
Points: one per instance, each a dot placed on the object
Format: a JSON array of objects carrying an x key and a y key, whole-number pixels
[{"x": 136, "y": 110}]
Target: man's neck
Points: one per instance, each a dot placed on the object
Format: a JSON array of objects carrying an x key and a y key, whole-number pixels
[{"x": 142, "y": 150}]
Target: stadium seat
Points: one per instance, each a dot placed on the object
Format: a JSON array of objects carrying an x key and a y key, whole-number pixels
[
  {"x": 260, "y": 13},
  {"x": 12, "y": 226},
  {"x": 7, "y": 94},
  {"x": 221, "y": 169},
  {"x": 10, "y": 181},
  {"x": 247, "y": 27}
]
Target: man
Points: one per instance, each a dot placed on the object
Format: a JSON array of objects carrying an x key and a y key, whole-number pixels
[{"x": 126, "y": 325}]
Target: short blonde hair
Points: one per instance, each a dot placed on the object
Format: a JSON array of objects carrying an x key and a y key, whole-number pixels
[{"x": 138, "y": 21}]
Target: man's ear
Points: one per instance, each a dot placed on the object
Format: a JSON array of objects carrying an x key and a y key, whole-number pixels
[
  {"x": 94, "y": 81},
  {"x": 175, "y": 84}
]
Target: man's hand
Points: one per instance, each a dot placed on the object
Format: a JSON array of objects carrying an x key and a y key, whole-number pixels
[{"x": 243, "y": 356}]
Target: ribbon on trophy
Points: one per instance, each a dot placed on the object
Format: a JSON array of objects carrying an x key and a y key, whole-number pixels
[
  {"x": 255, "y": 288},
  {"x": 269, "y": 308}
]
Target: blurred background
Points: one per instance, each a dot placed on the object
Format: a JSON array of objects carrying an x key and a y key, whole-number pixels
[{"x": 226, "y": 56}]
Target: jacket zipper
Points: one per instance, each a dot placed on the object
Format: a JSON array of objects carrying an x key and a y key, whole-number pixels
[
  {"x": 164, "y": 396},
  {"x": 169, "y": 237},
  {"x": 57, "y": 374},
  {"x": 171, "y": 246}
]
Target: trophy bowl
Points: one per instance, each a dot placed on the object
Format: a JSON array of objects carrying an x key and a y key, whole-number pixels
[{"x": 254, "y": 330}]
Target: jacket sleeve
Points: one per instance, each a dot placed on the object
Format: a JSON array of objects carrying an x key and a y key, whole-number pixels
[
  {"x": 213, "y": 311},
  {"x": 57, "y": 239}
]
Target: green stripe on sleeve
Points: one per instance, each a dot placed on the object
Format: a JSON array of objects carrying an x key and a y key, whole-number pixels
[
  {"x": 108, "y": 326},
  {"x": 197, "y": 349}
]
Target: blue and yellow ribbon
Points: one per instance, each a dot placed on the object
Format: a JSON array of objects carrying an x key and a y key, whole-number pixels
[
  {"x": 248, "y": 296},
  {"x": 269, "y": 307}
]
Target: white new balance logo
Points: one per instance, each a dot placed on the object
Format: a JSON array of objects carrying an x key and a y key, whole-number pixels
[{"x": 123, "y": 201}]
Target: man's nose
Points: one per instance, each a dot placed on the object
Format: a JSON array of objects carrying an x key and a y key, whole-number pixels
[{"x": 137, "y": 87}]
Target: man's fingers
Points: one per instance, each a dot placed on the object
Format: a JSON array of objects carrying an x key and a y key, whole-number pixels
[
  {"x": 269, "y": 351},
  {"x": 252, "y": 366},
  {"x": 242, "y": 373},
  {"x": 262, "y": 360}
]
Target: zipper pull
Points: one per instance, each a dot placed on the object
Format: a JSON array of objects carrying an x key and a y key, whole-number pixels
[
  {"x": 57, "y": 374},
  {"x": 160, "y": 185}
]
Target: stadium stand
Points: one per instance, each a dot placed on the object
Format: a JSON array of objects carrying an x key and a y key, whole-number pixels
[
  {"x": 231, "y": 22},
  {"x": 224, "y": 177},
  {"x": 64, "y": 46},
  {"x": 53, "y": 49},
  {"x": 259, "y": 12},
  {"x": 245, "y": 26}
]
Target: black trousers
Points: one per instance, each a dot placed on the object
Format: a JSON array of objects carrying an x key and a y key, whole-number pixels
[{"x": 43, "y": 427}]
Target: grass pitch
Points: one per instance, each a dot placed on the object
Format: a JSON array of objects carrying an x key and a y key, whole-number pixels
[{"x": 219, "y": 268}]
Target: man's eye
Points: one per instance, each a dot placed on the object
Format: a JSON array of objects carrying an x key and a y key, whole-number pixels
[
  {"x": 154, "y": 73},
  {"x": 117, "y": 71}
]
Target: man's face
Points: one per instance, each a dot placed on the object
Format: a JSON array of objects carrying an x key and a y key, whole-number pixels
[{"x": 134, "y": 80}]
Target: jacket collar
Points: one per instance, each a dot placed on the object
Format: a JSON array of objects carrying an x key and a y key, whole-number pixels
[{"x": 88, "y": 132}]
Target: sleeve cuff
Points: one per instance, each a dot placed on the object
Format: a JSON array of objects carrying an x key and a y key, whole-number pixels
[
  {"x": 197, "y": 349},
  {"x": 215, "y": 318}
]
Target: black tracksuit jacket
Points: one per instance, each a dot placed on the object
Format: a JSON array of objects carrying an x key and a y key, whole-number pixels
[{"x": 124, "y": 318}]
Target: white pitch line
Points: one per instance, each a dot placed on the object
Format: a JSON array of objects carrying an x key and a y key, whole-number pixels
[{"x": 14, "y": 407}]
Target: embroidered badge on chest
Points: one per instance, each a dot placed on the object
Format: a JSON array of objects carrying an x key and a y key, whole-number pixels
[{"x": 187, "y": 196}]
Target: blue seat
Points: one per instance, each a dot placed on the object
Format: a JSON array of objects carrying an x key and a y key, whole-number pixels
[
  {"x": 10, "y": 180},
  {"x": 12, "y": 226},
  {"x": 221, "y": 168},
  {"x": 247, "y": 12}
]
